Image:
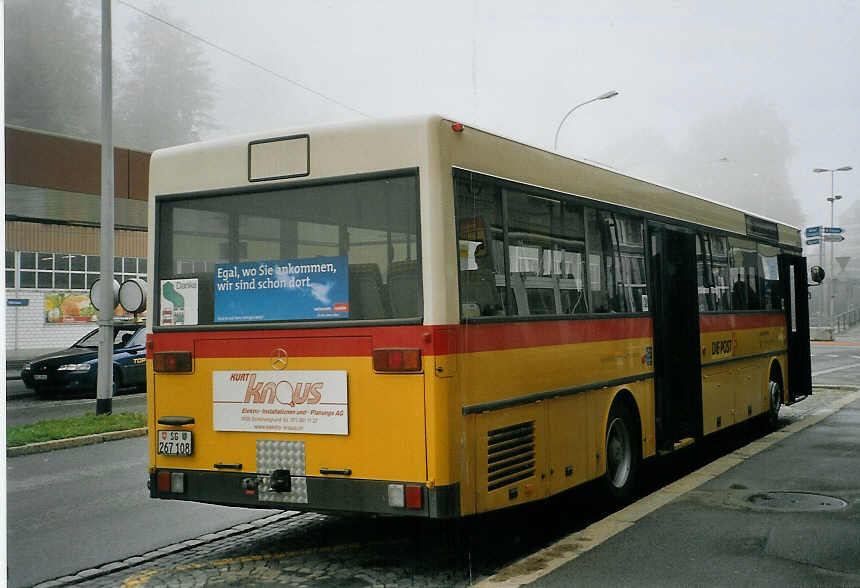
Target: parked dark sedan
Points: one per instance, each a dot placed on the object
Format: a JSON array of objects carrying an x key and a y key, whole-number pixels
[{"x": 73, "y": 371}]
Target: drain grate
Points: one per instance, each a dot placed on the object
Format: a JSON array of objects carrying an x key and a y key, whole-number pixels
[{"x": 796, "y": 501}]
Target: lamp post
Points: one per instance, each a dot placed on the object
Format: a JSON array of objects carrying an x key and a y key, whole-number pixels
[
  {"x": 832, "y": 200},
  {"x": 604, "y": 96}
]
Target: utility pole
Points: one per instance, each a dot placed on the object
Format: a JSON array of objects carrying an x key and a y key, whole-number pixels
[{"x": 104, "y": 391}]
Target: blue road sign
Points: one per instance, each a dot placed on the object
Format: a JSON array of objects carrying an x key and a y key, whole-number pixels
[
  {"x": 813, "y": 231},
  {"x": 17, "y": 302},
  {"x": 813, "y": 241},
  {"x": 832, "y": 230}
]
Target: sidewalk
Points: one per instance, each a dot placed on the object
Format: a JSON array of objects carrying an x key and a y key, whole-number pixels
[
  {"x": 781, "y": 511},
  {"x": 852, "y": 335}
]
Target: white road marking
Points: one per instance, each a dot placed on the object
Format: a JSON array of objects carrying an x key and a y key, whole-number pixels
[{"x": 836, "y": 369}]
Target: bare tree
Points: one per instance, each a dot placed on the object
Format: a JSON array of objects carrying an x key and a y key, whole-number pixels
[
  {"x": 166, "y": 92},
  {"x": 52, "y": 66},
  {"x": 739, "y": 157}
]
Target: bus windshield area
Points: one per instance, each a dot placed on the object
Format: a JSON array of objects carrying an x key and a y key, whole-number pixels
[{"x": 344, "y": 250}]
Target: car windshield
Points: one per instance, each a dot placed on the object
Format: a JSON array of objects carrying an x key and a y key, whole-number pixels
[{"x": 93, "y": 338}]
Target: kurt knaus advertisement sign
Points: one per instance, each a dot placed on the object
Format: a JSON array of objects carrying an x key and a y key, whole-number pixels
[{"x": 281, "y": 401}]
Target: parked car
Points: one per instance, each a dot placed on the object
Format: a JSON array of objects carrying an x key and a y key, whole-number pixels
[{"x": 73, "y": 371}]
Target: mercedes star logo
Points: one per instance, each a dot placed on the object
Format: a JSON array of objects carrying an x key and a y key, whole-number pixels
[{"x": 279, "y": 358}]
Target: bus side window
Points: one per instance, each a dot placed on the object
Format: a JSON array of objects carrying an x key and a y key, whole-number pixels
[
  {"x": 769, "y": 284},
  {"x": 744, "y": 264},
  {"x": 717, "y": 251},
  {"x": 616, "y": 262}
]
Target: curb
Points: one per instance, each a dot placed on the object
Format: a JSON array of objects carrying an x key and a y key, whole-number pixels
[{"x": 95, "y": 439}]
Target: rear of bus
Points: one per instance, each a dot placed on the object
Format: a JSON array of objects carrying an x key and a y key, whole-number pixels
[{"x": 288, "y": 361}]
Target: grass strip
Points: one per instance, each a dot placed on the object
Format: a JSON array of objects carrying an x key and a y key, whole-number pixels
[{"x": 78, "y": 426}]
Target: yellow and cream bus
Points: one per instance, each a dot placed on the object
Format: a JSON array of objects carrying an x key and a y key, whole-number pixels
[{"x": 416, "y": 317}]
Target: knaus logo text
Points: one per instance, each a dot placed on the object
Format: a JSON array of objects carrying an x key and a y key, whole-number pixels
[{"x": 270, "y": 392}]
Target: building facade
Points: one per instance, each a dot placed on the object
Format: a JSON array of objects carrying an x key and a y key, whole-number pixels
[{"x": 53, "y": 204}]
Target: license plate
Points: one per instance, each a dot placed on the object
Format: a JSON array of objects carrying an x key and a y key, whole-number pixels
[
  {"x": 40, "y": 377},
  {"x": 174, "y": 442}
]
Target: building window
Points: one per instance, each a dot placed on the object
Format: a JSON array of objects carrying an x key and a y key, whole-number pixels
[
  {"x": 65, "y": 271},
  {"x": 10, "y": 269}
]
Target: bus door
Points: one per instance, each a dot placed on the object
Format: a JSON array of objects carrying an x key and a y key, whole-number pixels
[
  {"x": 675, "y": 312},
  {"x": 792, "y": 276}
]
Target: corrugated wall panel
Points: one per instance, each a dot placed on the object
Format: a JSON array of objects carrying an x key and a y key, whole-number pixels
[{"x": 24, "y": 236}]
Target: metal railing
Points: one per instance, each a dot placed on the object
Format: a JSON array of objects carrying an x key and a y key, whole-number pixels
[{"x": 845, "y": 320}]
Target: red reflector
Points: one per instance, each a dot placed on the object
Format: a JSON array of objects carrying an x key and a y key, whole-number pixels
[
  {"x": 172, "y": 361},
  {"x": 413, "y": 497},
  {"x": 457, "y": 127},
  {"x": 397, "y": 360},
  {"x": 163, "y": 481}
]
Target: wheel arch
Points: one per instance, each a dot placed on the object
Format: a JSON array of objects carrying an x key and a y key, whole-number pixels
[
  {"x": 775, "y": 374},
  {"x": 625, "y": 397}
]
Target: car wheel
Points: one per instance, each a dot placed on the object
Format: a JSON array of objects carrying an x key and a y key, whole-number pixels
[{"x": 622, "y": 452}]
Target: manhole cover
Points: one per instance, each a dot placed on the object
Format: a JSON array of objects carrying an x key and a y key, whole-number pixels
[{"x": 796, "y": 501}]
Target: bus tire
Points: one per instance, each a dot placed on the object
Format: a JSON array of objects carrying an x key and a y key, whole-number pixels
[
  {"x": 774, "y": 393},
  {"x": 622, "y": 452}
]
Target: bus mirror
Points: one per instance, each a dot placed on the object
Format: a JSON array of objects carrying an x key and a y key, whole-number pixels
[{"x": 817, "y": 274}]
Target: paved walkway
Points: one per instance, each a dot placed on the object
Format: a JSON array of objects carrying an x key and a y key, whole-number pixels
[{"x": 782, "y": 511}]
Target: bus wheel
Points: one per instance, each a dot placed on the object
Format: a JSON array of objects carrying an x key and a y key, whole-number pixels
[
  {"x": 622, "y": 456},
  {"x": 774, "y": 392}
]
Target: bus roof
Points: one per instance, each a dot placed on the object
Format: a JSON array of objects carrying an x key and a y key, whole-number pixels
[{"x": 377, "y": 145}]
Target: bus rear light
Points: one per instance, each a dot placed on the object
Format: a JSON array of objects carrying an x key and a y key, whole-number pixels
[
  {"x": 413, "y": 497},
  {"x": 149, "y": 346},
  {"x": 405, "y": 496},
  {"x": 397, "y": 360},
  {"x": 172, "y": 482},
  {"x": 172, "y": 362}
]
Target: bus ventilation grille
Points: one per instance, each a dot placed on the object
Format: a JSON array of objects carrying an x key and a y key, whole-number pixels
[{"x": 510, "y": 455}]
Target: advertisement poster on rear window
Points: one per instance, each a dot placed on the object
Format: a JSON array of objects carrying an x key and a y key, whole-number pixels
[
  {"x": 282, "y": 290},
  {"x": 179, "y": 301}
]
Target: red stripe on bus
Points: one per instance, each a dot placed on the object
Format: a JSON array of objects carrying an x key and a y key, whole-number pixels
[
  {"x": 499, "y": 336},
  {"x": 709, "y": 323},
  {"x": 432, "y": 340},
  {"x": 435, "y": 340}
]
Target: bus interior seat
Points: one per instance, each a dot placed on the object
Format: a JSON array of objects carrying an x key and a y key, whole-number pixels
[
  {"x": 479, "y": 287},
  {"x": 403, "y": 280},
  {"x": 366, "y": 294}
]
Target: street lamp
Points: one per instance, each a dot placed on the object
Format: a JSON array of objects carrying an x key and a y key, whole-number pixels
[
  {"x": 605, "y": 96},
  {"x": 832, "y": 200}
]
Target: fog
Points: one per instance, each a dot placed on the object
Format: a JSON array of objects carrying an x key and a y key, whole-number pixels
[{"x": 734, "y": 101}]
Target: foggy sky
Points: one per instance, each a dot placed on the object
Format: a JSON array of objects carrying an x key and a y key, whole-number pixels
[{"x": 515, "y": 68}]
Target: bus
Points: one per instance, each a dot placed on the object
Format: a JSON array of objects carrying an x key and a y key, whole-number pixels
[{"x": 416, "y": 317}]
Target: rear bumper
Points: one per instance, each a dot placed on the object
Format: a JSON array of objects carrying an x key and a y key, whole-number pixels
[{"x": 334, "y": 495}]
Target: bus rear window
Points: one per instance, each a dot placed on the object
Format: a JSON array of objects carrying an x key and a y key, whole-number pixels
[{"x": 344, "y": 250}]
